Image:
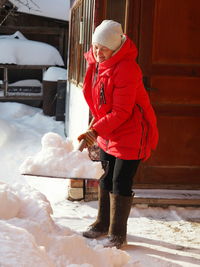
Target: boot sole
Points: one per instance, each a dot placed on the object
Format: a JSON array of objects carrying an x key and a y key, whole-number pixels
[
  {"x": 94, "y": 236},
  {"x": 112, "y": 245}
]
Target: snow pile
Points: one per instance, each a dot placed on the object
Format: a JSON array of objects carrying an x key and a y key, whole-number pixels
[
  {"x": 14, "y": 241},
  {"x": 10, "y": 203},
  {"x": 24, "y": 220},
  {"x": 58, "y": 158},
  {"x": 21, "y": 51},
  {"x": 29, "y": 236},
  {"x": 54, "y": 74}
]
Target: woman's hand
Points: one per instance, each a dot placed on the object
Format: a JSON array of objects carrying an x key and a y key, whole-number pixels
[{"x": 89, "y": 136}]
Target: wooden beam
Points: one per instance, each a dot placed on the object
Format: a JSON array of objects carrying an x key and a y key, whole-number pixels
[
  {"x": 14, "y": 66},
  {"x": 5, "y": 81},
  {"x": 32, "y": 30},
  {"x": 20, "y": 97}
]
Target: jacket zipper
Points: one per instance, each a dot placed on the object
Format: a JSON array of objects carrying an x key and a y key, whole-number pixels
[
  {"x": 142, "y": 135},
  {"x": 95, "y": 75},
  {"x": 102, "y": 95},
  {"x": 141, "y": 141}
]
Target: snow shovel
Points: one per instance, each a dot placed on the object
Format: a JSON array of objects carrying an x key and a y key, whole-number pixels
[
  {"x": 104, "y": 167},
  {"x": 81, "y": 146}
]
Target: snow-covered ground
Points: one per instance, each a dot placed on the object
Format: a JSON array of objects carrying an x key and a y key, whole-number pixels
[{"x": 39, "y": 227}]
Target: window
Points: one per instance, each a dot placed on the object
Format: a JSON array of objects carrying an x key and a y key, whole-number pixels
[{"x": 80, "y": 38}]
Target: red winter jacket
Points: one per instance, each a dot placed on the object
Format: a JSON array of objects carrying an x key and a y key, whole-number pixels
[{"x": 124, "y": 118}]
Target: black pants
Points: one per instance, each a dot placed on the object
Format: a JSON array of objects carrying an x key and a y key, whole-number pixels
[{"x": 119, "y": 179}]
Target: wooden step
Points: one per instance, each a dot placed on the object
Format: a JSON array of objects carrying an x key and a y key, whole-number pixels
[
  {"x": 157, "y": 197},
  {"x": 167, "y": 197}
]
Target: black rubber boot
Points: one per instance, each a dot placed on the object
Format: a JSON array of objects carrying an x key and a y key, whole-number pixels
[
  {"x": 120, "y": 209},
  {"x": 101, "y": 225}
]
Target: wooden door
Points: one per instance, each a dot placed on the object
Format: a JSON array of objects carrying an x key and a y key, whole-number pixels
[{"x": 169, "y": 55}]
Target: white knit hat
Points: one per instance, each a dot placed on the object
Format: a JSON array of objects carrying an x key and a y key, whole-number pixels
[{"x": 109, "y": 33}]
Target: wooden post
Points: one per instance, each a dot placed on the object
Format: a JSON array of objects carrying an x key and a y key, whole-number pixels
[
  {"x": 5, "y": 81},
  {"x": 60, "y": 102}
]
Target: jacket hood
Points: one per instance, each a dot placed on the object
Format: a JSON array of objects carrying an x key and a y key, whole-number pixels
[{"x": 127, "y": 50}]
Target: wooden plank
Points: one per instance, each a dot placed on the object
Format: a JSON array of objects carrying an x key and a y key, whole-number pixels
[
  {"x": 14, "y": 66},
  {"x": 24, "y": 90},
  {"x": 167, "y": 186},
  {"x": 177, "y": 110},
  {"x": 132, "y": 20},
  {"x": 181, "y": 70},
  {"x": 160, "y": 202},
  {"x": 11, "y": 98},
  {"x": 32, "y": 30},
  {"x": 183, "y": 175},
  {"x": 167, "y": 193},
  {"x": 170, "y": 89},
  {"x": 183, "y": 27},
  {"x": 99, "y": 11}
]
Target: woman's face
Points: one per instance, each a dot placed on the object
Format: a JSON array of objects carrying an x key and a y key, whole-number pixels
[{"x": 101, "y": 53}]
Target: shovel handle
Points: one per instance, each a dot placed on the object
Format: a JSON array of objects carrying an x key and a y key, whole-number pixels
[
  {"x": 91, "y": 123},
  {"x": 82, "y": 143}
]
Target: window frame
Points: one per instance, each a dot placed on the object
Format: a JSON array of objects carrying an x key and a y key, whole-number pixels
[{"x": 82, "y": 13}]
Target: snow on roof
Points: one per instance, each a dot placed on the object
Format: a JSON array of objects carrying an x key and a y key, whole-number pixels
[
  {"x": 57, "y": 9},
  {"x": 19, "y": 50}
]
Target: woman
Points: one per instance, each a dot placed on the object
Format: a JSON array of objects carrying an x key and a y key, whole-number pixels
[{"x": 124, "y": 126}]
